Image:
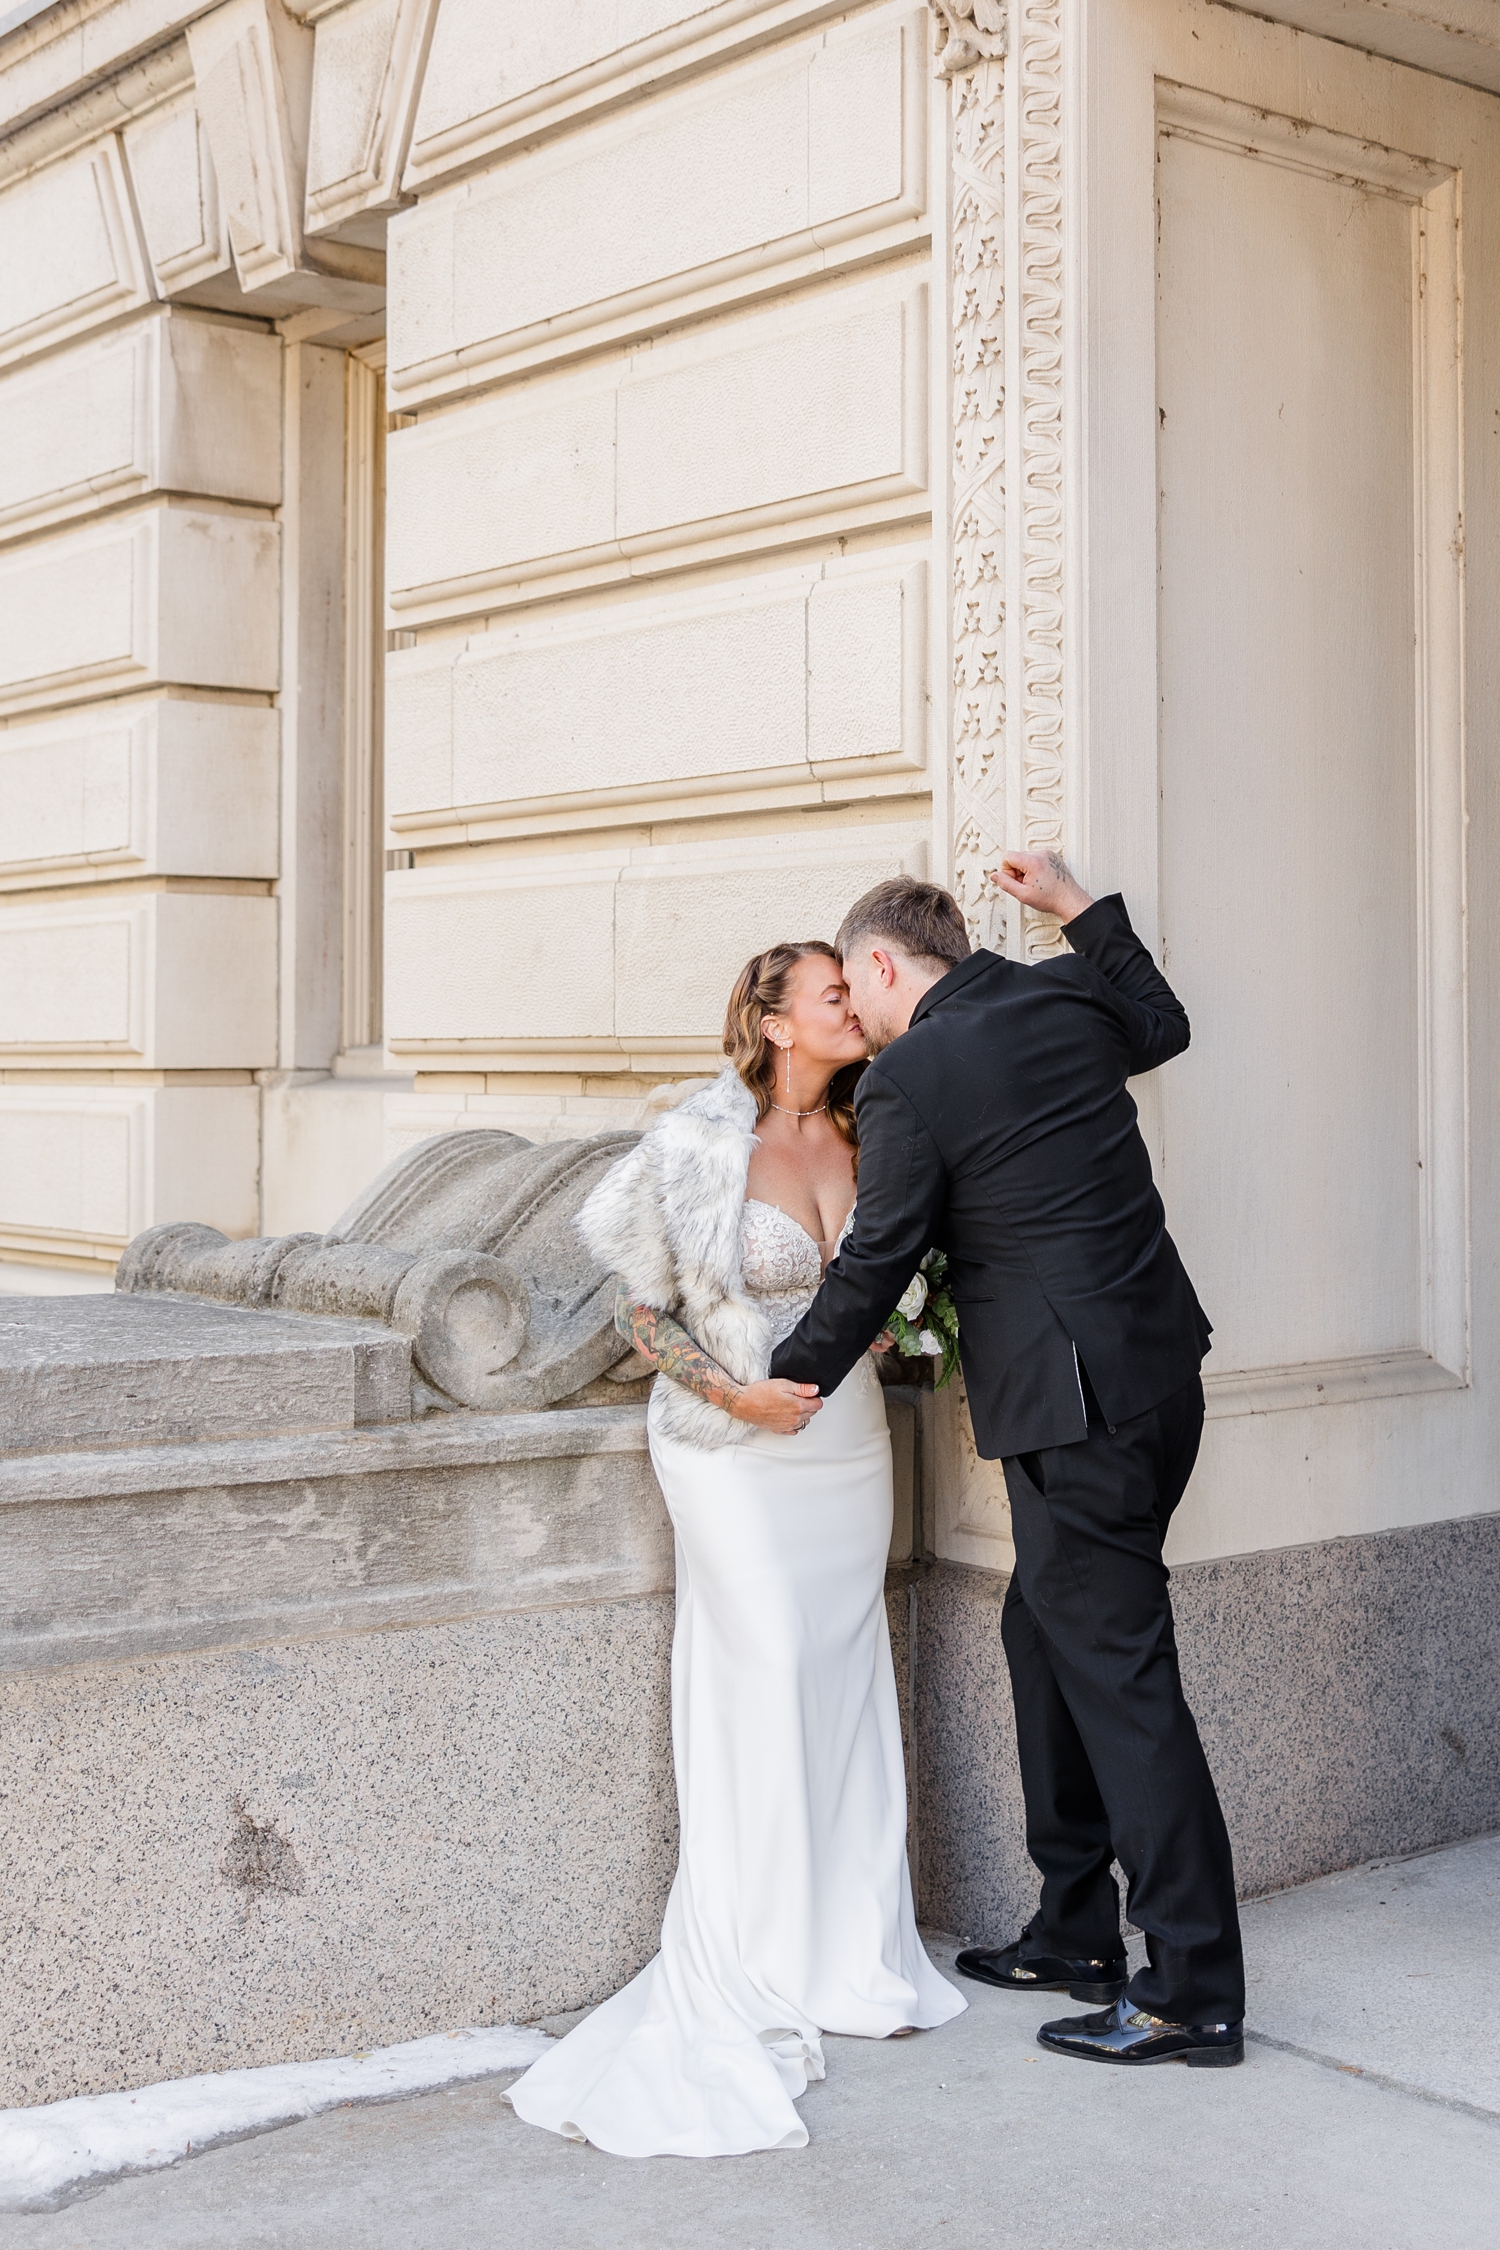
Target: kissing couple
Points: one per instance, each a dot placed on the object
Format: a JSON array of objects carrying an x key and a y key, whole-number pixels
[{"x": 990, "y": 1121}]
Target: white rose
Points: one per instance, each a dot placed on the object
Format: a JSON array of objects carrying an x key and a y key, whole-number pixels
[
  {"x": 915, "y": 1298},
  {"x": 931, "y": 1346}
]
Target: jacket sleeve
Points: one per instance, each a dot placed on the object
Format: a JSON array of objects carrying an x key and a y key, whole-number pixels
[
  {"x": 1149, "y": 1012},
  {"x": 902, "y": 1185}
]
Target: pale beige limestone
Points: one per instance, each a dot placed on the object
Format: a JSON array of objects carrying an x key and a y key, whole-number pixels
[
  {"x": 477, "y": 64},
  {"x": 827, "y": 404},
  {"x": 780, "y": 675},
  {"x": 368, "y": 63},
  {"x": 790, "y": 146},
  {"x": 84, "y": 1167},
  {"x": 169, "y": 594},
  {"x": 167, "y": 787},
  {"x": 162, "y": 980},
  {"x": 174, "y": 403},
  {"x": 611, "y": 947},
  {"x": 323, "y": 1140},
  {"x": 69, "y": 252},
  {"x": 177, "y": 195}
]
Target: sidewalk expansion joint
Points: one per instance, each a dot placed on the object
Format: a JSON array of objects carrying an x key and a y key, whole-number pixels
[{"x": 1375, "y": 2078}]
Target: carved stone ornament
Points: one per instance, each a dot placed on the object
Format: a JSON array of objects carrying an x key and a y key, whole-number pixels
[
  {"x": 466, "y": 1245},
  {"x": 1006, "y": 278},
  {"x": 1006, "y": 236},
  {"x": 969, "y": 32}
]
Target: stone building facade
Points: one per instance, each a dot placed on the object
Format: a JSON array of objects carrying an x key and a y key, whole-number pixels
[{"x": 506, "y": 508}]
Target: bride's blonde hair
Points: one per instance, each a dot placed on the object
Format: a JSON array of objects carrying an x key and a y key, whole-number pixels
[{"x": 762, "y": 989}]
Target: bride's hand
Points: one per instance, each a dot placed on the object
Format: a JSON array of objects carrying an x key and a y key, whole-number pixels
[
  {"x": 779, "y": 1406},
  {"x": 884, "y": 1342}
]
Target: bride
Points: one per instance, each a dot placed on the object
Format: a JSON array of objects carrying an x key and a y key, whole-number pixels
[{"x": 791, "y": 1911}]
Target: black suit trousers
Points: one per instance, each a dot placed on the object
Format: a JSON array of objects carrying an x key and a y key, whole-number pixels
[{"x": 1111, "y": 1764}]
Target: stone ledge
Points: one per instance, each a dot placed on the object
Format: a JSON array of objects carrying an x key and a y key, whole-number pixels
[
  {"x": 163, "y": 1550},
  {"x": 442, "y": 1441},
  {"x": 102, "y": 1371}
]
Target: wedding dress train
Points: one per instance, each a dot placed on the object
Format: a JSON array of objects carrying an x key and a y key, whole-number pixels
[{"x": 791, "y": 1911}]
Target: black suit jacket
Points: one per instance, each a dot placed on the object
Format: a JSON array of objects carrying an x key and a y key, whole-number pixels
[{"x": 998, "y": 1128}]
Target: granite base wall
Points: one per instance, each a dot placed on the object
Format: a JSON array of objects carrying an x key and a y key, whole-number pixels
[
  {"x": 245, "y": 1856},
  {"x": 266, "y": 1855},
  {"x": 318, "y": 1846},
  {"x": 1348, "y": 1695}
]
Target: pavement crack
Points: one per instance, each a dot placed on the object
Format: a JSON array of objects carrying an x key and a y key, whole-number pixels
[{"x": 1375, "y": 2078}]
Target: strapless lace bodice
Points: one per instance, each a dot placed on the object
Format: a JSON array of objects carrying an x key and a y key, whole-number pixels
[{"x": 781, "y": 1264}]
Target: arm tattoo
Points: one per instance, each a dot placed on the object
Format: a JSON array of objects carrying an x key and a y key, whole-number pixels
[
  {"x": 1058, "y": 865},
  {"x": 667, "y": 1344}
]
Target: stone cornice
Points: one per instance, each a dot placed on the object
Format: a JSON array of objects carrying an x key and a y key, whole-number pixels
[
  {"x": 78, "y": 46},
  {"x": 1457, "y": 39},
  {"x": 111, "y": 102}
]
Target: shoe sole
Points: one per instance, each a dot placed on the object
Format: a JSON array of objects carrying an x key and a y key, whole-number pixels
[
  {"x": 1102, "y": 1995},
  {"x": 1196, "y": 2058}
]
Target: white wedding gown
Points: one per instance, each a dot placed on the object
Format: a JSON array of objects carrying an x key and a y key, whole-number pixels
[{"x": 791, "y": 1910}]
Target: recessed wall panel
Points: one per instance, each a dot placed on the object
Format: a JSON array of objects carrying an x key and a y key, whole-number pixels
[
  {"x": 84, "y": 1167},
  {"x": 500, "y": 955},
  {"x": 175, "y": 403},
  {"x": 70, "y": 255},
  {"x": 159, "y": 980},
  {"x": 1289, "y": 753}
]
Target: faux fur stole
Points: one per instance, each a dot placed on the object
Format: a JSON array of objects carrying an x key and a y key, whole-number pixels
[{"x": 667, "y": 1219}]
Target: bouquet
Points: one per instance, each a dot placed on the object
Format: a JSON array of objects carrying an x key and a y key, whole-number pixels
[{"x": 925, "y": 1323}]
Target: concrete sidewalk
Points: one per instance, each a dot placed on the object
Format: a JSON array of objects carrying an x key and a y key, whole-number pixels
[{"x": 1367, "y": 2115}]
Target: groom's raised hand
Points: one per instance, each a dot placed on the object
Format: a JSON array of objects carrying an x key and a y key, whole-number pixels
[{"x": 1041, "y": 880}]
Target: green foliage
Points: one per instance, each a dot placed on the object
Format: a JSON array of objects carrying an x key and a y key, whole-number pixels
[{"x": 936, "y": 1316}]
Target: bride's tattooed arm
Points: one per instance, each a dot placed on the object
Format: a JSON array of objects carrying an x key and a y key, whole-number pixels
[
  {"x": 780, "y": 1406},
  {"x": 667, "y": 1344}
]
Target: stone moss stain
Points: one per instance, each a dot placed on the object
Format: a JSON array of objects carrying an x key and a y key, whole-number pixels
[{"x": 258, "y": 1858}]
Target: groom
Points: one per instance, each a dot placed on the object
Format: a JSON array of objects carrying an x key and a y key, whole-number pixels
[{"x": 994, "y": 1122}]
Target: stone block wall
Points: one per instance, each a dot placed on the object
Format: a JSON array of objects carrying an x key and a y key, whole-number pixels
[
  {"x": 658, "y": 535},
  {"x": 652, "y": 551},
  {"x": 140, "y": 631}
]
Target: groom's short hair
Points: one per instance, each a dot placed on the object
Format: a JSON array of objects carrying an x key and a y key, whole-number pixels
[{"x": 921, "y": 920}]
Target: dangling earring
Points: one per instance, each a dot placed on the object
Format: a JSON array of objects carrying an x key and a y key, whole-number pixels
[{"x": 789, "y": 1070}]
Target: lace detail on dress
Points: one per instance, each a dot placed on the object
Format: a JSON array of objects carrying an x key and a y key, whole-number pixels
[{"x": 781, "y": 1264}]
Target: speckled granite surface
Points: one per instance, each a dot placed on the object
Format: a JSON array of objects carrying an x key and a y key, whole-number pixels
[
  {"x": 315, "y": 1848},
  {"x": 1348, "y": 1696},
  {"x": 272, "y": 1854}
]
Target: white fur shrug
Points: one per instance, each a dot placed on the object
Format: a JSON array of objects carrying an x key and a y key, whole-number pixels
[{"x": 666, "y": 1218}]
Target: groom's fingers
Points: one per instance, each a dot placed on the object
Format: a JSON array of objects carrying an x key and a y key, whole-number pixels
[
  {"x": 1018, "y": 873},
  {"x": 1026, "y": 867}
]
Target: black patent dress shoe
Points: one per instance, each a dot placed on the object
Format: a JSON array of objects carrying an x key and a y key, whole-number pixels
[
  {"x": 1126, "y": 2034},
  {"x": 1013, "y": 1970}
]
